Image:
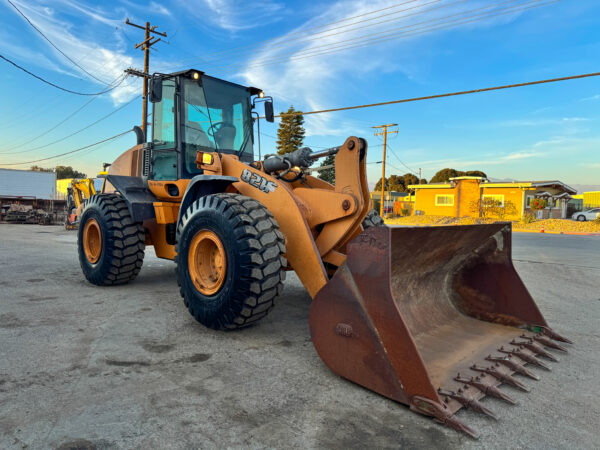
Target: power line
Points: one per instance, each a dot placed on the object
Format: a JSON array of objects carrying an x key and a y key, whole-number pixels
[
  {"x": 258, "y": 43},
  {"x": 392, "y": 35},
  {"x": 392, "y": 151},
  {"x": 449, "y": 94},
  {"x": 78, "y": 131},
  {"x": 69, "y": 152},
  {"x": 53, "y": 45},
  {"x": 52, "y": 84},
  {"x": 314, "y": 36},
  {"x": 55, "y": 126}
]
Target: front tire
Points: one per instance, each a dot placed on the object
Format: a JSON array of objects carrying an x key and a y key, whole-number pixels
[
  {"x": 109, "y": 242},
  {"x": 581, "y": 218},
  {"x": 229, "y": 260}
]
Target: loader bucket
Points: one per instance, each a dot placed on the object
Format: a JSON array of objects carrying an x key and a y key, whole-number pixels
[{"x": 432, "y": 317}]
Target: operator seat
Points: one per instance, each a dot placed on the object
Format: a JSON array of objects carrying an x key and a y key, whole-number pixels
[{"x": 225, "y": 136}]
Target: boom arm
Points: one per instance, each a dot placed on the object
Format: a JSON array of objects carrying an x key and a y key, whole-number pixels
[{"x": 316, "y": 218}]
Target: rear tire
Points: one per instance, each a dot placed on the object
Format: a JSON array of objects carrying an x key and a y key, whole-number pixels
[
  {"x": 372, "y": 219},
  {"x": 109, "y": 242},
  {"x": 244, "y": 239},
  {"x": 581, "y": 218}
]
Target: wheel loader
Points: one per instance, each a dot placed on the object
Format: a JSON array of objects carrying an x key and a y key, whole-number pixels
[
  {"x": 79, "y": 190},
  {"x": 435, "y": 318}
]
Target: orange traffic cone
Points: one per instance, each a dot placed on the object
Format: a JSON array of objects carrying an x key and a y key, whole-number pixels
[{"x": 542, "y": 230}]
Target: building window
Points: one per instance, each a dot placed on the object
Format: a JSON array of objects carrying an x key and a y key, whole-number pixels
[
  {"x": 444, "y": 200},
  {"x": 528, "y": 201},
  {"x": 494, "y": 197}
]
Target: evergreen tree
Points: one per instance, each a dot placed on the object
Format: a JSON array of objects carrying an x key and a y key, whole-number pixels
[
  {"x": 291, "y": 131},
  {"x": 328, "y": 174}
]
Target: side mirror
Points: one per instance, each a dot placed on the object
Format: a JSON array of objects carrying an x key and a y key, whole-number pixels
[
  {"x": 269, "y": 114},
  {"x": 155, "y": 90}
]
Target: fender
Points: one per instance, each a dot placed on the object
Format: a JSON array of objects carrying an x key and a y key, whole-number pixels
[
  {"x": 140, "y": 200},
  {"x": 202, "y": 185}
]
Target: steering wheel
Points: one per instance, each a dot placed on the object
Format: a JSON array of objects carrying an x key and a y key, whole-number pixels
[{"x": 215, "y": 127}]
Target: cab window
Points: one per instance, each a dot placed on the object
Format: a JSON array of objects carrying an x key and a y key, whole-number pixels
[{"x": 164, "y": 156}]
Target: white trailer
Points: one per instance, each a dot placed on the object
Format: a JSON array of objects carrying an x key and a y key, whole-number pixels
[{"x": 27, "y": 183}]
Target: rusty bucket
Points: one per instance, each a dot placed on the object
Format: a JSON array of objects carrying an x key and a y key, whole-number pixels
[{"x": 432, "y": 317}]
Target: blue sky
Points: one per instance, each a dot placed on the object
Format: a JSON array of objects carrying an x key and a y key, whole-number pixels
[{"x": 295, "y": 51}]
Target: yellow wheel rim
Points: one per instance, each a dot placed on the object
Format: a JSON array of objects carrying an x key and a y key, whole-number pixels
[
  {"x": 207, "y": 262},
  {"x": 92, "y": 241}
]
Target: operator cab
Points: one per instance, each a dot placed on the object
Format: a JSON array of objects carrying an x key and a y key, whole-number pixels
[{"x": 195, "y": 112}]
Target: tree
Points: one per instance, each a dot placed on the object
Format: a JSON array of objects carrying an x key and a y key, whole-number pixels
[
  {"x": 396, "y": 183},
  {"x": 409, "y": 179},
  {"x": 291, "y": 131},
  {"x": 329, "y": 174},
  {"x": 399, "y": 183},
  {"x": 445, "y": 174},
  {"x": 63, "y": 172},
  {"x": 378, "y": 185},
  {"x": 475, "y": 173},
  {"x": 40, "y": 169}
]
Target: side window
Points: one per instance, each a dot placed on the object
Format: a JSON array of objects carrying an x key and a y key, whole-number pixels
[
  {"x": 444, "y": 200},
  {"x": 494, "y": 198},
  {"x": 164, "y": 156},
  {"x": 163, "y": 118}
]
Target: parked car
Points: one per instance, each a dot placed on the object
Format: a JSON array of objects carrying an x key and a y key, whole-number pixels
[{"x": 590, "y": 214}]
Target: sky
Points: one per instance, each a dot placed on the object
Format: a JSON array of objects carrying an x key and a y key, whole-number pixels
[{"x": 318, "y": 55}]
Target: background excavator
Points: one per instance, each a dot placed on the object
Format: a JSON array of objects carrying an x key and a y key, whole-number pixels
[{"x": 435, "y": 318}]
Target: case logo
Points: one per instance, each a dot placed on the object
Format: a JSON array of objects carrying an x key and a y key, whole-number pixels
[{"x": 259, "y": 182}]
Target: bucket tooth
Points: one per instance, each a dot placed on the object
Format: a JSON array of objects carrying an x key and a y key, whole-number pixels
[
  {"x": 472, "y": 404},
  {"x": 554, "y": 335},
  {"x": 547, "y": 342},
  {"x": 512, "y": 365},
  {"x": 441, "y": 414},
  {"x": 519, "y": 353},
  {"x": 535, "y": 348},
  {"x": 487, "y": 389},
  {"x": 454, "y": 423},
  {"x": 503, "y": 377}
]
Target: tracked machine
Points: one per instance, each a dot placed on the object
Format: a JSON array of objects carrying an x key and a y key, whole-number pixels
[{"x": 435, "y": 318}]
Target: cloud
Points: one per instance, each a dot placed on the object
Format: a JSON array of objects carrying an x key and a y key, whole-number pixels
[
  {"x": 307, "y": 67},
  {"x": 159, "y": 9},
  {"x": 593, "y": 97},
  {"x": 542, "y": 122},
  {"x": 104, "y": 63},
  {"x": 236, "y": 15}
]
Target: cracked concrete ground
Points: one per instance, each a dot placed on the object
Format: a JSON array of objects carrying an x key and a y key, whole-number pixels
[{"x": 127, "y": 367}]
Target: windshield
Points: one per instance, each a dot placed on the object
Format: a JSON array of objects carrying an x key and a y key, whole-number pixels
[{"x": 216, "y": 117}]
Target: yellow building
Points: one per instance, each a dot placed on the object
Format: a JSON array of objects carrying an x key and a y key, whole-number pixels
[
  {"x": 591, "y": 199},
  {"x": 464, "y": 196}
]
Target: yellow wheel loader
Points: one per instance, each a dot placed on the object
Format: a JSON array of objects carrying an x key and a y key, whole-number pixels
[
  {"x": 435, "y": 318},
  {"x": 79, "y": 190}
]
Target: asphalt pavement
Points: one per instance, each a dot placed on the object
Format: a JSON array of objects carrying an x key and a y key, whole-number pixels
[{"x": 127, "y": 367}]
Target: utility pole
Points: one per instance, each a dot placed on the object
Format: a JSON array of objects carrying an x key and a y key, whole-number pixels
[
  {"x": 384, "y": 133},
  {"x": 419, "y": 176},
  {"x": 149, "y": 41}
]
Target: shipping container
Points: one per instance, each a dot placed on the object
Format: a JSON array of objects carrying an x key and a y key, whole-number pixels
[{"x": 27, "y": 183}]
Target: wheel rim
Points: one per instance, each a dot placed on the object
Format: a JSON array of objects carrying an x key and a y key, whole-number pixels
[
  {"x": 92, "y": 241},
  {"x": 207, "y": 262}
]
